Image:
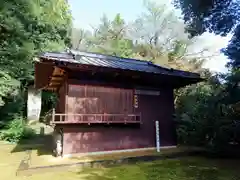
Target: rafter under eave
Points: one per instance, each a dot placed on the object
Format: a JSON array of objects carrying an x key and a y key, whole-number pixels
[{"x": 56, "y": 79}]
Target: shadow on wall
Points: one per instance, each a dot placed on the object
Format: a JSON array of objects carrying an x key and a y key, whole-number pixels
[{"x": 103, "y": 137}]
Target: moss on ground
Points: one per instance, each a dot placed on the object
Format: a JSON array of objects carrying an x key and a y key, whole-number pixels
[
  {"x": 194, "y": 168},
  {"x": 187, "y": 168},
  {"x": 171, "y": 169}
]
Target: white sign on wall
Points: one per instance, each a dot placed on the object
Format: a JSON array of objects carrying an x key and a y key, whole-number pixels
[
  {"x": 33, "y": 104},
  {"x": 157, "y": 136}
]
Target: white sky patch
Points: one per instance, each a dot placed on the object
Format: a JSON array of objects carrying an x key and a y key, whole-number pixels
[{"x": 210, "y": 45}]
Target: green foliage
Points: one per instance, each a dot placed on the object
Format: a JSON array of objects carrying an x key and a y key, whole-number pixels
[
  {"x": 203, "y": 117},
  {"x": 48, "y": 102},
  {"x": 110, "y": 38},
  {"x": 14, "y": 106},
  {"x": 16, "y": 130},
  {"x": 233, "y": 86},
  {"x": 8, "y": 86},
  {"x": 218, "y": 16},
  {"x": 26, "y": 29},
  {"x": 213, "y": 118}
]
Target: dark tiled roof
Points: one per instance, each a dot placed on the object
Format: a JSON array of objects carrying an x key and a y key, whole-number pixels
[{"x": 96, "y": 59}]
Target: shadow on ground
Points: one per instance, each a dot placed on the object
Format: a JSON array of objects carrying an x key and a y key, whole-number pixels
[{"x": 42, "y": 143}]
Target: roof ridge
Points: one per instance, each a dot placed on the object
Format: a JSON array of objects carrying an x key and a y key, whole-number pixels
[{"x": 109, "y": 57}]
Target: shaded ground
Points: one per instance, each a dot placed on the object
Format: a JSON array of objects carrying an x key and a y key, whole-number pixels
[
  {"x": 192, "y": 168},
  {"x": 42, "y": 144}
]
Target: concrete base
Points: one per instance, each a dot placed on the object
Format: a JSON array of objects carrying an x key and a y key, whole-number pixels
[{"x": 117, "y": 151}]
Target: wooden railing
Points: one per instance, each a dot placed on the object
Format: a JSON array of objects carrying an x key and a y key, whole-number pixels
[{"x": 95, "y": 118}]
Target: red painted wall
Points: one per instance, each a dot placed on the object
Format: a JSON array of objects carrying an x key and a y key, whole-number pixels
[{"x": 79, "y": 138}]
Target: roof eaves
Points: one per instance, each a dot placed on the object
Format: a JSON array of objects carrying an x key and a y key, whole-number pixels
[
  {"x": 115, "y": 62},
  {"x": 179, "y": 72}
]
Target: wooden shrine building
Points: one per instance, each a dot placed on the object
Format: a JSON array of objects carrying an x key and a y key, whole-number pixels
[{"x": 107, "y": 103}]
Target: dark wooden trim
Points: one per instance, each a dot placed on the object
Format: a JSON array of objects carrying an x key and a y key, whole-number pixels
[
  {"x": 103, "y": 118},
  {"x": 147, "y": 92},
  {"x": 99, "y": 83}
]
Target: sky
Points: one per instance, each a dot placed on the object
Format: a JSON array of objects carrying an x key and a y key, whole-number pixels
[{"x": 87, "y": 14}]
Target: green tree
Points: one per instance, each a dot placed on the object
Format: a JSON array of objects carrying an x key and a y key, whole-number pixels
[
  {"x": 155, "y": 32},
  {"x": 80, "y": 39},
  {"x": 28, "y": 28},
  {"x": 110, "y": 37},
  {"x": 160, "y": 36},
  {"x": 220, "y": 17},
  {"x": 206, "y": 116}
]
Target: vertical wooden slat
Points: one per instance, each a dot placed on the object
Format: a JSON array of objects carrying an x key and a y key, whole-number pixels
[{"x": 85, "y": 99}]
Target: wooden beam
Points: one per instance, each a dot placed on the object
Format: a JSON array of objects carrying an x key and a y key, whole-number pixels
[
  {"x": 57, "y": 80},
  {"x": 54, "y": 84},
  {"x": 60, "y": 78}
]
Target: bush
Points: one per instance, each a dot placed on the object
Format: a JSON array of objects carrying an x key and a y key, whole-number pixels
[
  {"x": 204, "y": 119},
  {"x": 16, "y": 130}
]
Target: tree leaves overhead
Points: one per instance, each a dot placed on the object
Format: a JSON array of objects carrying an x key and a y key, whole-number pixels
[
  {"x": 221, "y": 17},
  {"x": 233, "y": 49},
  {"x": 218, "y": 16}
]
